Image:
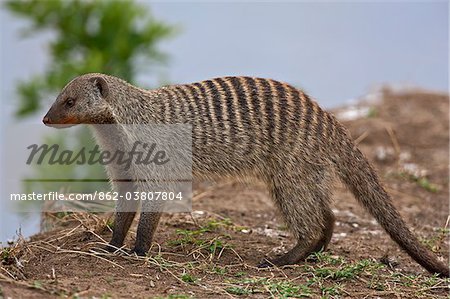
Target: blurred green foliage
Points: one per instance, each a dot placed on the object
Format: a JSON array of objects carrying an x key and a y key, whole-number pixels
[
  {"x": 112, "y": 37},
  {"x": 118, "y": 38}
]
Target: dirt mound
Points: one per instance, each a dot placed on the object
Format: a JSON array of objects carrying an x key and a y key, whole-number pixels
[{"x": 213, "y": 251}]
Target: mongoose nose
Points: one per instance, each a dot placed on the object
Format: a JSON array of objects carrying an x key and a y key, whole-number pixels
[{"x": 46, "y": 120}]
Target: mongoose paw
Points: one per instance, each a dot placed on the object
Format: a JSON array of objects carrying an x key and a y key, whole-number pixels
[
  {"x": 283, "y": 260},
  {"x": 265, "y": 264},
  {"x": 112, "y": 248},
  {"x": 139, "y": 252}
]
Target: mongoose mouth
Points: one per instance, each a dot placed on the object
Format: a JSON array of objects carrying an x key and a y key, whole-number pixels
[{"x": 61, "y": 125}]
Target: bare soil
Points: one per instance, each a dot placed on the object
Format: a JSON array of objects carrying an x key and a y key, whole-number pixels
[{"x": 212, "y": 252}]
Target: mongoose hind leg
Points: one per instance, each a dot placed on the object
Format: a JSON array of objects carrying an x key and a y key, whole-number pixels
[
  {"x": 305, "y": 209},
  {"x": 300, "y": 252},
  {"x": 327, "y": 232}
]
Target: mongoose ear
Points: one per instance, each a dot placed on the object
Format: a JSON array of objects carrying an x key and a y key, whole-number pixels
[{"x": 102, "y": 85}]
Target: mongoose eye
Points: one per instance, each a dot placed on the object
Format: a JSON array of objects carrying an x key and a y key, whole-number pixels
[{"x": 70, "y": 103}]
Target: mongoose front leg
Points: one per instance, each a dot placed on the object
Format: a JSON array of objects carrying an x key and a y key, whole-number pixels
[
  {"x": 145, "y": 231},
  {"x": 123, "y": 217},
  {"x": 121, "y": 226}
]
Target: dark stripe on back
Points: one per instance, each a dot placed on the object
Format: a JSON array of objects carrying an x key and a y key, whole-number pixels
[
  {"x": 193, "y": 118},
  {"x": 242, "y": 98},
  {"x": 200, "y": 114},
  {"x": 188, "y": 100},
  {"x": 204, "y": 100},
  {"x": 244, "y": 111},
  {"x": 187, "y": 116},
  {"x": 283, "y": 110},
  {"x": 217, "y": 107},
  {"x": 270, "y": 117},
  {"x": 330, "y": 126},
  {"x": 308, "y": 117},
  {"x": 230, "y": 117},
  {"x": 254, "y": 98},
  {"x": 216, "y": 101},
  {"x": 297, "y": 102},
  {"x": 319, "y": 127},
  {"x": 296, "y": 120},
  {"x": 170, "y": 101},
  {"x": 195, "y": 96}
]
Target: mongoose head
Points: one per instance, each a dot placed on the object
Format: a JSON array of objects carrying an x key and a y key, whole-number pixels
[{"x": 84, "y": 100}]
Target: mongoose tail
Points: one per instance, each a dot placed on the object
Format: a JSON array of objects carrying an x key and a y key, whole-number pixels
[{"x": 359, "y": 176}]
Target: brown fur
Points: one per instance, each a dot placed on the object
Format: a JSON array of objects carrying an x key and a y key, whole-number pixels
[{"x": 247, "y": 127}]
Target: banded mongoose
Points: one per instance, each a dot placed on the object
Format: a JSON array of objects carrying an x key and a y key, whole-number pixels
[{"x": 244, "y": 126}]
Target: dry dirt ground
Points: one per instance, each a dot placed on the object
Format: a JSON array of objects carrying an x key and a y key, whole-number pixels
[{"x": 212, "y": 252}]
